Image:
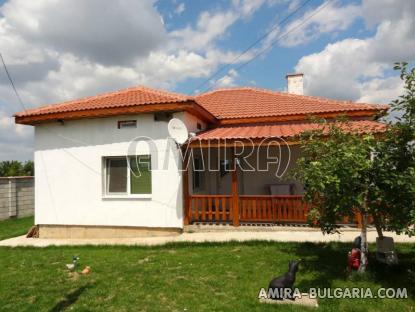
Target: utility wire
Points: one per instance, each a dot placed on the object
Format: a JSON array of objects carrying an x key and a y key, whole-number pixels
[
  {"x": 252, "y": 45},
  {"x": 285, "y": 34},
  {"x": 11, "y": 82},
  {"x": 24, "y": 108},
  {"x": 278, "y": 38}
]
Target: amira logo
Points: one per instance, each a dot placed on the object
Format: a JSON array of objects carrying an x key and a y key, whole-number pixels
[
  {"x": 279, "y": 293},
  {"x": 270, "y": 154}
]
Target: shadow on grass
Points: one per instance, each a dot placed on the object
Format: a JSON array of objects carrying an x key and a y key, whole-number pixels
[
  {"x": 328, "y": 262},
  {"x": 324, "y": 262},
  {"x": 399, "y": 276},
  {"x": 69, "y": 299}
]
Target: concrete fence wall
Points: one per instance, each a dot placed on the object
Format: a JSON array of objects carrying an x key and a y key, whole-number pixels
[{"x": 16, "y": 197}]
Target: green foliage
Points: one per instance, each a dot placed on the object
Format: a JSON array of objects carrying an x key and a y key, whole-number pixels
[
  {"x": 392, "y": 196},
  {"x": 406, "y": 102},
  {"x": 334, "y": 167},
  {"x": 16, "y": 168},
  {"x": 340, "y": 177}
]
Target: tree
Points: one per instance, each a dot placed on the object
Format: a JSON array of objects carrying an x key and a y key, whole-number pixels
[
  {"x": 29, "y": 168},
  {"x": 334, "y": 167},
  {"x": 345, "y": 172},
  {"x": 392, "y": 196},
  {"x": 15, "y": 168}
]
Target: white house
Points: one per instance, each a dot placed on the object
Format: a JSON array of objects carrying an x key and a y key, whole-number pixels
[{"x": 83, "y": 149}]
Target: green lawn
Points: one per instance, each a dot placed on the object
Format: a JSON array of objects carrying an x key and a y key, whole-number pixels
[
  {"x": 15, "y": 227},
  {"x": 189, "y": 277}
]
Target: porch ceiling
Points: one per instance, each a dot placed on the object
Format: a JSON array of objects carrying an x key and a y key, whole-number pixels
[{"x": 282, "y": 130}]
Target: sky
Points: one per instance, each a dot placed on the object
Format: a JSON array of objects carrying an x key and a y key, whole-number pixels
[{"x": 58, "y": 50}]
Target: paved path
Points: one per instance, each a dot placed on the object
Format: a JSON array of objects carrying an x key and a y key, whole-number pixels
[{"x": 278, "y": 236}]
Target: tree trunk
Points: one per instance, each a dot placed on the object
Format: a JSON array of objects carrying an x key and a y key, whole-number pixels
[
  {"x": 379, "y": 230},
  {"x": 377, "y": 221},
  {"x": 363, "y": 247}
]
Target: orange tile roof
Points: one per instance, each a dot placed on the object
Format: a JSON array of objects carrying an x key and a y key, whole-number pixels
[
  {"x": 254, "y": 102},
  {"x": 222, "y": 104},
  {"x": 280, "y": 130},
  {"x": 123, "y": 98}
]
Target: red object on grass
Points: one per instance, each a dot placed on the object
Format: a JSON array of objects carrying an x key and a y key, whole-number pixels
[{"x": 353, "y": 259}]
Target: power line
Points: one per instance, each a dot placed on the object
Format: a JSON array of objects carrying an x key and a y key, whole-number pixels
[
  {"x": 24, "y": 108},
  {"x": 252, "y": 45},
  {"x": 285, "y": 34},
  {"x": 11, "y": 82}
]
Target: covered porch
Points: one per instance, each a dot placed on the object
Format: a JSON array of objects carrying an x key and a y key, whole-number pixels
[
  {"x": 238, "y": 174},
  {"x": 234, "y": 183}
]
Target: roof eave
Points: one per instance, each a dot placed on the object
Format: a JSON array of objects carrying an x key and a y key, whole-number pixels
[
  {"x": 188, "y": 105},
  {"x": 300, "y": 117}
]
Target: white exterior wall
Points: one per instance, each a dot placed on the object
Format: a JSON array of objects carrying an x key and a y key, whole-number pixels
[
  {"x": 191, "y": 122},
  {"x": 69, "y": 173}
]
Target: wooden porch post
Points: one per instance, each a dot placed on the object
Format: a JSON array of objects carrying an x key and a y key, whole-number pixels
[
  {"x": 186, "y": 201},
  {"x": 235, "y": 197}
]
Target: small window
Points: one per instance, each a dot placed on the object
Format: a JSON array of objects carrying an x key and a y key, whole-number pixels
[
  {"x": 163, "y": 116},
  {"x": 127, "y": 124},
  {"x": 199, "y": 126},
  {"x": 130, "y": 176},
  {"x": 198, "y": 173}
]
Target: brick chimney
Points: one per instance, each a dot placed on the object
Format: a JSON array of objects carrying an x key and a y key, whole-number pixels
[{"x": 295, "y": 83}]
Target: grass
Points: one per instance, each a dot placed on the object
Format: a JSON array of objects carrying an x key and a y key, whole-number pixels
[
  {"x": 15, "y": 227},
  {"x": 190, "y": 277}
]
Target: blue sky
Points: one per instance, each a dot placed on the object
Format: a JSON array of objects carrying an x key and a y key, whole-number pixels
[
  {"x": 268, "y": 70},
  {"x": 58, "y": 50}
]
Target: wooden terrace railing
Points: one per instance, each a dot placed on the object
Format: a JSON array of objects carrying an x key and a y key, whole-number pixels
[
  {"x": 210, "y": 208},
  {"x": 251, "y": 208},
  {"x": 272, "y": 208}
]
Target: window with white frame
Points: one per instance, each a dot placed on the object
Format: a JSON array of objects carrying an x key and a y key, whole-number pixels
[{"x": 128, "y": 176}]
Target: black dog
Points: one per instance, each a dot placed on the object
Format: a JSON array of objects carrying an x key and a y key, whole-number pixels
[{"x": 282, "y": 286}]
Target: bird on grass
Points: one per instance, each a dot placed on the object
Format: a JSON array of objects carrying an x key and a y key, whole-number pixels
[{"x": 71, "y": 266}]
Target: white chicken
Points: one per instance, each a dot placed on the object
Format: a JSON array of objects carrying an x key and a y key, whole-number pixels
[{"x": 71, "y": 266}]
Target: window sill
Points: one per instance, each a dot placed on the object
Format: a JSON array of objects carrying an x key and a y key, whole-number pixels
[{"x": 136, "y": 196}]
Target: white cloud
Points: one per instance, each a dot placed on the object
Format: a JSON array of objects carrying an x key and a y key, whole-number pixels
[
  {"x": 359, "y": 69},
  {"x": 330, "y": 19},
  {"x": 16, "y": 141},
  {"x": 380, "y": 90},
  {"x": 180, "y": 8},
  {"x": 247, "y": 7},
  {"x": 210, "y": 27},
  {"x": 104, "y": 31},
  {"x": 58, "y": 50},
  {"x": 228, "y": 80}
]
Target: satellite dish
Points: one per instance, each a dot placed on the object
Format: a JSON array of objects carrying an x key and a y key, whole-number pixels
[{"x": 178, "y": 130}]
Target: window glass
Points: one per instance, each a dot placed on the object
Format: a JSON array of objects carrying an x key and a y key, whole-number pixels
[
  {"x": 117, "y": 175},
  {"x": 140, "y": 174}
]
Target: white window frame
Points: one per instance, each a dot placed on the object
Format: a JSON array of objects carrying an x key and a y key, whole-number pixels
[{"x": 127, "y": 195}]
